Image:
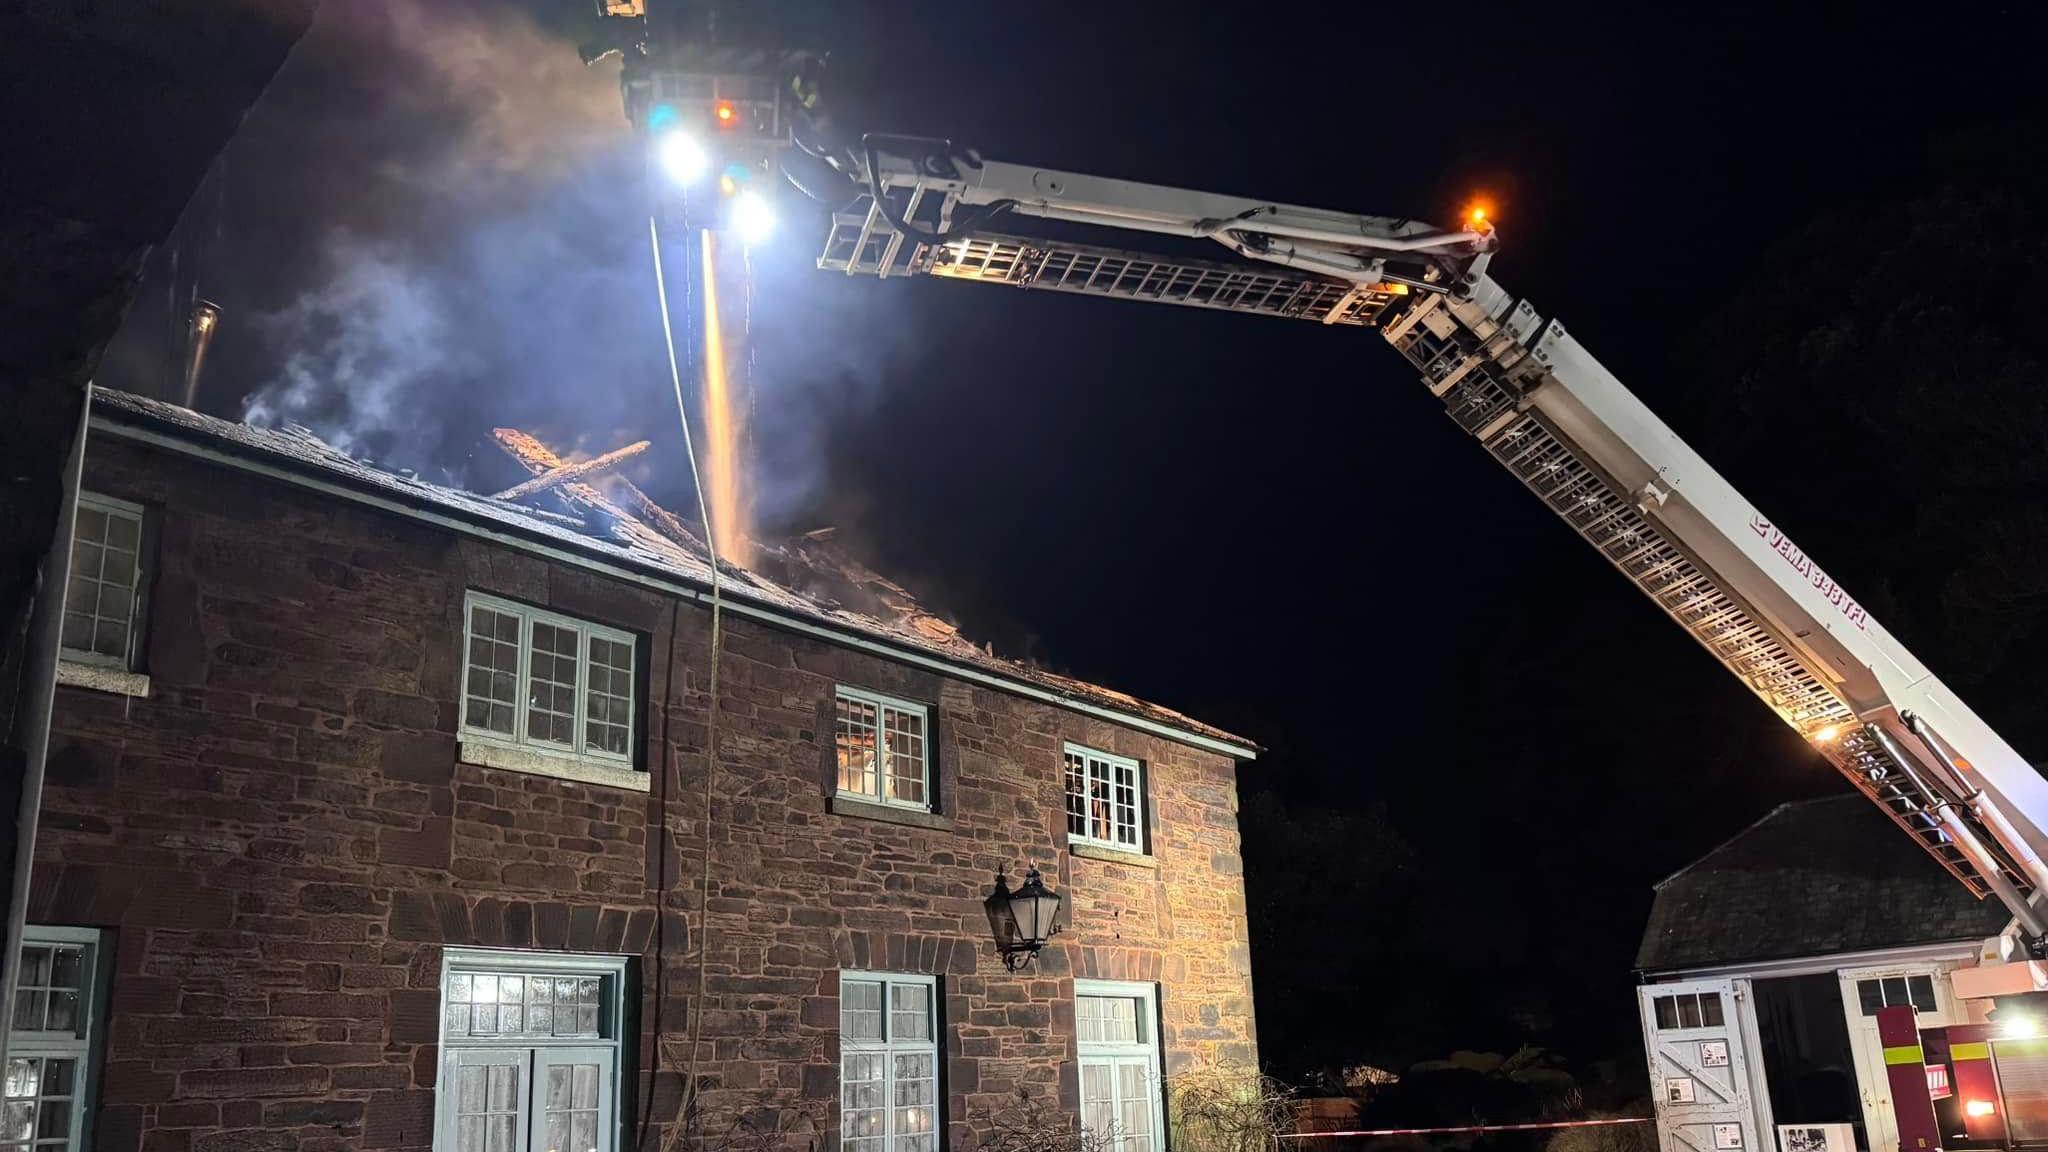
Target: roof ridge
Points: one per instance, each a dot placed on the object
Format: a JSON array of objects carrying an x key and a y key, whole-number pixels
[{"x": 1728, "y": 842}]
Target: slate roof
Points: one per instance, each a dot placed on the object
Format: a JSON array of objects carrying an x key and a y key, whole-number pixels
[
  {"x": 1813, "y": 878},
  {"x": 829, "y": 588}
]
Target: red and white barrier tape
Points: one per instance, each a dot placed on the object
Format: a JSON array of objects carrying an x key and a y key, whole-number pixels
[{"x": 1470, "y": 1128}]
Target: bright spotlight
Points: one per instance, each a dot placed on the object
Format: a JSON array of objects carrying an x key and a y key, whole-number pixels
[
  {"x": 681, "y": 156},
  {"x": 2018, "y": 1027},
  {"x": 752, "y": 216}
]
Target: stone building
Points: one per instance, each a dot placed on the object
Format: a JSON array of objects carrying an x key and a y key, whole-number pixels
[{"x": 375, "y": 819}]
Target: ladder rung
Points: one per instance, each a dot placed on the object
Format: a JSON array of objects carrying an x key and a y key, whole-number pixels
[{"x": 864, "y": 243}]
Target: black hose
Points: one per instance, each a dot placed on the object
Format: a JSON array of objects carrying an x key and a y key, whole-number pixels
[
  {"x": 816, "y": 178},
  {"x": 963, "y": 225}
]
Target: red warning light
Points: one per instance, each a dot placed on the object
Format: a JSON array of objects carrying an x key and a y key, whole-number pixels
[{"x": 726, "y": 113}]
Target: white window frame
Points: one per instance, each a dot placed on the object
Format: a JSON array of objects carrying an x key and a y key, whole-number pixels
[
  {"x": 130, "y": 657},
  {"x": 1147, "y": 1046},
  {"x": 883, "y": 704},
  {"x": 579, "y": 748},
  {"x": 530, "y": 1053},
  {"x": 1113, "y": 762},
  {"x": 888, "y": 1046},
  {"x": 78, "y": 1045}
]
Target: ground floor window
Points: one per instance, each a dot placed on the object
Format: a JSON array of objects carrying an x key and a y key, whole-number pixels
[
  {"x": 530, "y": 1051},
  {"x": 1117, "y": 1033},
  {"x": 888, "y": 1062},
  {"x": 53, "y": 1029}
]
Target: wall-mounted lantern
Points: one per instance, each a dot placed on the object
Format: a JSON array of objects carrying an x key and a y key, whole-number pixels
[{"x": 1022, "y": 920}]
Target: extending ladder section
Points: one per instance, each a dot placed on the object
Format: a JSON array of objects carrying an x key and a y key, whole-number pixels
[
  {"x": 865, "y": 243},
  {"x": 1481, "y": 370}
]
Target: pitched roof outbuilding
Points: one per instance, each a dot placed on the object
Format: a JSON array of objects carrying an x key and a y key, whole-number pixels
[{"x": 1812, "y": 878}]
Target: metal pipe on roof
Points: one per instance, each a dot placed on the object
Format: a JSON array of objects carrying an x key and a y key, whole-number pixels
[{"x": 198, "y": 337}]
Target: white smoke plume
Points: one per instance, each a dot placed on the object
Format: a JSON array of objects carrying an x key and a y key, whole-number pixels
[{"x": 471, "y": 232}]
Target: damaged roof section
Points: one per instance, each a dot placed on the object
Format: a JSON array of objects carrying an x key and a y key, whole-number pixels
[{"x": 811, "y": 580}]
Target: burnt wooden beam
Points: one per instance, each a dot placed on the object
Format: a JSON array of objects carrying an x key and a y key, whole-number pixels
[
  {"x": 567, "y": 472},
  {"x": 539, "y": 459}
]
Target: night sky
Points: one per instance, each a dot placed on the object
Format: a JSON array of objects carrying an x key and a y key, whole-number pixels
[{"x": 1488, "y": 743}]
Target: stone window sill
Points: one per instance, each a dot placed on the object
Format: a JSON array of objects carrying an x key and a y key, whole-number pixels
[
  {"x": 576, "y": 769},
  {"x": 102, "y": 678},
  {"x": 1088, "y": 851},
  {"x": 887, "y": 813}
]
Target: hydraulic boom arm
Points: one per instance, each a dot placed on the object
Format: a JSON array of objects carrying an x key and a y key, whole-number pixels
[{"x": 1533, "y": 397}]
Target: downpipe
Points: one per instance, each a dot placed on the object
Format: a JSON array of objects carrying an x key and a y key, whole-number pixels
[{"x": 32, "y": 716}]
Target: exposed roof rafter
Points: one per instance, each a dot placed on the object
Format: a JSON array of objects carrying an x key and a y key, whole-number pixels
[{"x": 567, "y": 472}]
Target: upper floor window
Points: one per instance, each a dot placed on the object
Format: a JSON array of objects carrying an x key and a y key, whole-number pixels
[
  {"x": 888, "y": 1063},
  {"x": 47, "y": 1090},
  {"x": 883, "y": 753},
  {"x": 103, "y": 601},
  {"x": 547, "y": 681},
  {"x": 1104, "y": 802}
]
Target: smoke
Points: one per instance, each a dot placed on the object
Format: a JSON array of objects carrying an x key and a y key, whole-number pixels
[
  {"x": 435, "y": 223},
  {"x": 358, "y": 349},
  {"x": 476, "y": 265}
]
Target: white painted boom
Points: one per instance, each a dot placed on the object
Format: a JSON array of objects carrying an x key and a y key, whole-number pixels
[
  {"x": 1551, "y": 414},
  {"x": 1548, "y": 411}
]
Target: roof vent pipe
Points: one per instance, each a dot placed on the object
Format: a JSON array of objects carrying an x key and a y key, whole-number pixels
[{"x": 198, "y": 334}]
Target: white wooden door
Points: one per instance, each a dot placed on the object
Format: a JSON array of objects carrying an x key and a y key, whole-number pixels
[
  {"x": 572, "y": 1100},
  {"x": 487, "y": 1090},
  {"x": 1699, "y": 1067},
  {"x": 1864, "y": 991}
]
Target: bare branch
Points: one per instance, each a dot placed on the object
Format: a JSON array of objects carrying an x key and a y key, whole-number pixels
[
  {"x": 1029, "y": 1126},
  {"x": 1228, "y": 1109}
]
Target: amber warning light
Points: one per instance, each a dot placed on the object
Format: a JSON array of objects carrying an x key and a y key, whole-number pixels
[
  {"x": 725, "y": 112},
  {"x": 1477, "y": 217}
]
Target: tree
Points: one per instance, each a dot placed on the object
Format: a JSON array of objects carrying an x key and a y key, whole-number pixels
[
  {"x": 1892, "y": 411},
  {"x": 1321, "y": 884}
]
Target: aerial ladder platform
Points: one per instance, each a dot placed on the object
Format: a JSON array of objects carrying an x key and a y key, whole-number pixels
[
  {"x": 1546, "y": 410},
  {"x": 1537, "y": 401}
]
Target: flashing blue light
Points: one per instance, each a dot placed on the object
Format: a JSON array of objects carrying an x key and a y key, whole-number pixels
[
  {"x": 661, "y": 116},
  {"x": 739, "y": 174}
]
